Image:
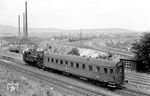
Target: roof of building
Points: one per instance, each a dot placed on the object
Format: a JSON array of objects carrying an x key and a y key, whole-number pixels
[
  {"x": 129, "y": 59},
  {"x": 83, "y": 60},
  {"x": 15, "y": 38},
  {"x": 11, "y": 38}
]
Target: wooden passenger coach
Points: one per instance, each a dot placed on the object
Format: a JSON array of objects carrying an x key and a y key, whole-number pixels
[{"x": 109, "y": 72}]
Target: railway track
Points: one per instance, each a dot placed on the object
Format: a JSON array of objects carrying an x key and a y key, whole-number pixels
[
  {"x": 75, "y": 87},
  {"x": 64, "y": 84},
  {"x": 105, "y": 49},
  {"x": 2, "y": 92},
  {"x": 132, "y": 77},
  {"x": 138, "y": 79},
  {"x": 138, "y": 75},
  {"x": 111, "y": 49}
]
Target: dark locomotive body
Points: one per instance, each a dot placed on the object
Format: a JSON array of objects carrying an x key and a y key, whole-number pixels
[
  {"x": 108, "y": 72},
  {"x": 33, "y": 57}
]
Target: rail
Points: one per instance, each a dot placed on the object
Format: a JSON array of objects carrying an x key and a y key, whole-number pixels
[
  {"x": 57, "y": 82},
  {"x": 64, "y": 84}
]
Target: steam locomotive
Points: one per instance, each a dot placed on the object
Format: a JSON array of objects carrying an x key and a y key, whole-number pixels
[{"x": 33, "y": 57}]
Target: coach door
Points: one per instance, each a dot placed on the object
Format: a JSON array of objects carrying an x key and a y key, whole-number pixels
[{"x": 120, "y": 73}]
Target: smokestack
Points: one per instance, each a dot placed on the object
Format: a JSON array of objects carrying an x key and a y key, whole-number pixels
[
  {"x": 26, "y": 21},
  {"x": 24, "y": 25},
  {"x": 19, "y": 34}
]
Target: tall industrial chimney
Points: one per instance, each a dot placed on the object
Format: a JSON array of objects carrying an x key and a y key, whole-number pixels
[
  {"x": 19, "y": 34},
  {"x": 24, "y": 25},
  {"x": 26, "y": 21}
]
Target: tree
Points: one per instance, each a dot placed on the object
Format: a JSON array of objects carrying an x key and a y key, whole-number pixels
[
  {"x": 102, "y": 56},
  {"x": 74, "y": 51},
  {"x": 109, "y": 55},
  {"x": 141, "y": 49}
]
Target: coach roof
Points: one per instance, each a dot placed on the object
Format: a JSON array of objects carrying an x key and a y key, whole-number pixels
[{"x": 84, "y": 60}]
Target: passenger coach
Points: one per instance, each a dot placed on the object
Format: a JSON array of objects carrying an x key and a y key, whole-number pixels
[{"x": 108, "y": 72}]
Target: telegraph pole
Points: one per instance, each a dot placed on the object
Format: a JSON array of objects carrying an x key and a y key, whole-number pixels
[{"x": 61, "y": 37}]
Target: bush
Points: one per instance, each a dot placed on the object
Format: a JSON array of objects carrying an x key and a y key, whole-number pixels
[
  {"x": 49, "y": 93},
  {"x": 141, "y": 49},
  {"x": 74, "y": 51}
]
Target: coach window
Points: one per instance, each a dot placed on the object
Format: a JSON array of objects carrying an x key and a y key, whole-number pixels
[
  {"x": 48, "y": 59},
  {"x": 52, "y": 60},
  {"x": 77, "y": 65},
  {"x": 90, "y": 67},
  {"x": 61, "y": 62},
  {"x": 66, "y": 62},
  {"x": 98, "y": 69},
  {"x": 105, "y": 70},
  {"x": 111, "y": 71},
  {"x": 56, "y": 60},
  {"x": 71, "y": 64},
  {"x": 83, "y": 66}
]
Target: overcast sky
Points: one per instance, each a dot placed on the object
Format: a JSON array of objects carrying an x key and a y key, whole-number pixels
[{"x": 79, "y": 14}]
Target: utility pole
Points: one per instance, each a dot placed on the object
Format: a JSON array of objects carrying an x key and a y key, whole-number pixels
[
  {"x": 19, "y": 34},
  {"x": 61, "y": 36},
  {"x": 80, "y": 38}
]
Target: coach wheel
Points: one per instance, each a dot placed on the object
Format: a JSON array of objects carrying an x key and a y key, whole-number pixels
[{"x": 105, "y": 84}]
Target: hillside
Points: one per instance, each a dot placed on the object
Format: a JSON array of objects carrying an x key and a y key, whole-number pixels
[{"x": 6, "y": 30}]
